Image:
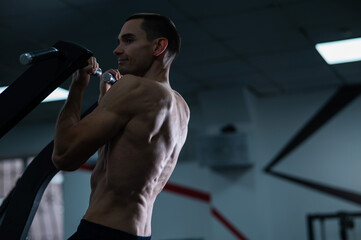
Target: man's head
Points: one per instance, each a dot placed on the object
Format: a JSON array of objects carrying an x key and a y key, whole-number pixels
[
  {"x": 143, "y": 38},
  {"x": 156, "y": 26}
]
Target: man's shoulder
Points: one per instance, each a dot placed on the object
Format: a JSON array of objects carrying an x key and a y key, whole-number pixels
[
  {"x": 181, "y": 101},
  {"x": 158, "y": 95},
  {"x": 135, "y": 87},
  {"x": 146, "y": 83},
  {"x": 152, "y": 88}
]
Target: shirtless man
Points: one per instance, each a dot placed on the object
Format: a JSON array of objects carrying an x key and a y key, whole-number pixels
[{"x": 138, "y": 128}]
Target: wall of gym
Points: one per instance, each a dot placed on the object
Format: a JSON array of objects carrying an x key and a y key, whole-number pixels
[{"x": 256, "y": 204}]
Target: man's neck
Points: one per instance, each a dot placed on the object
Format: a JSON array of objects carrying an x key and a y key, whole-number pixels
[{"x": 158, "y": 73}]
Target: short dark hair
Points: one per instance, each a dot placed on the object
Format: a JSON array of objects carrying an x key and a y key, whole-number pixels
[{"x": 155, "y": 26}]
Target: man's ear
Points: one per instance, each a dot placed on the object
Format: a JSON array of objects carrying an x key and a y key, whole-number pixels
[{"x": 160, "y": 45}]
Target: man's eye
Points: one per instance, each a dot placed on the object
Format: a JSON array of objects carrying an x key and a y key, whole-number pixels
[{"x": 128, "y": 40}]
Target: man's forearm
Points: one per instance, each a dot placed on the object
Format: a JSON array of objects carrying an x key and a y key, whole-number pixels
[
  {"x": 68, "y": 117},
  {"x": 70, "y": 113},
  {"x": 67, "y": 155}
]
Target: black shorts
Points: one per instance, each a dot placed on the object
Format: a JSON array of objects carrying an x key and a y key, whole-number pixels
[{"x": 93, "y": 231}]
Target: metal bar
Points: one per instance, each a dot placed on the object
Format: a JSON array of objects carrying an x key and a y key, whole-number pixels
[
  {"x": 310, "y": 227},
  {"x": 41, "y": 78}
]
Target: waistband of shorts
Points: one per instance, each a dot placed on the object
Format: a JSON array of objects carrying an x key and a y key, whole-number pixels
[{"x": 108, "y": 231}]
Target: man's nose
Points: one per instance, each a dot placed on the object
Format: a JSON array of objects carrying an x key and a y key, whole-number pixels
[{"x": 118, "y": 50}]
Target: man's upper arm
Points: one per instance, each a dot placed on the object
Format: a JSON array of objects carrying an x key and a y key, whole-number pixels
[{"x": 83, "y": 139}]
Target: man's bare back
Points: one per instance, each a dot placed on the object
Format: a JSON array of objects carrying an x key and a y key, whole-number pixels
[{"x": 135, "y": 165}]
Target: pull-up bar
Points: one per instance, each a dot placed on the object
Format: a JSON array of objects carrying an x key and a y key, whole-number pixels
[
  {"x": 19, "y": 207},
  {"x": 42, "y": 78}
]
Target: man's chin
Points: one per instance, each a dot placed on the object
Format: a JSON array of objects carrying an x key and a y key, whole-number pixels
[{"x": 123, "y": 71}]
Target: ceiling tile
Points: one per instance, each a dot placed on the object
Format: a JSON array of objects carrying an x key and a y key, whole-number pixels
[
  {"x": 305, "y": 75},
  {"x": 12, "y": 46},
  {"x": 53, "y": 26},
  {"x": 351, "y": 72},
  {"x": 231, "y": 79},
  {"x": 334, "y": 32},
  {"x": 288, "y": 60},
  {"x": 267, "y": 21},
  {"x": 259, "y": 43},
  {"x": 192, "y": 34},
  {"x": 323, "y": 12},
  {"x": 112, "y": 14},
  {"x": 210, "y": 51},
  {"x": 206, "y": 8},
  {"x": 18, "y": 8},
  {"x": 218, "y": 69}
]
